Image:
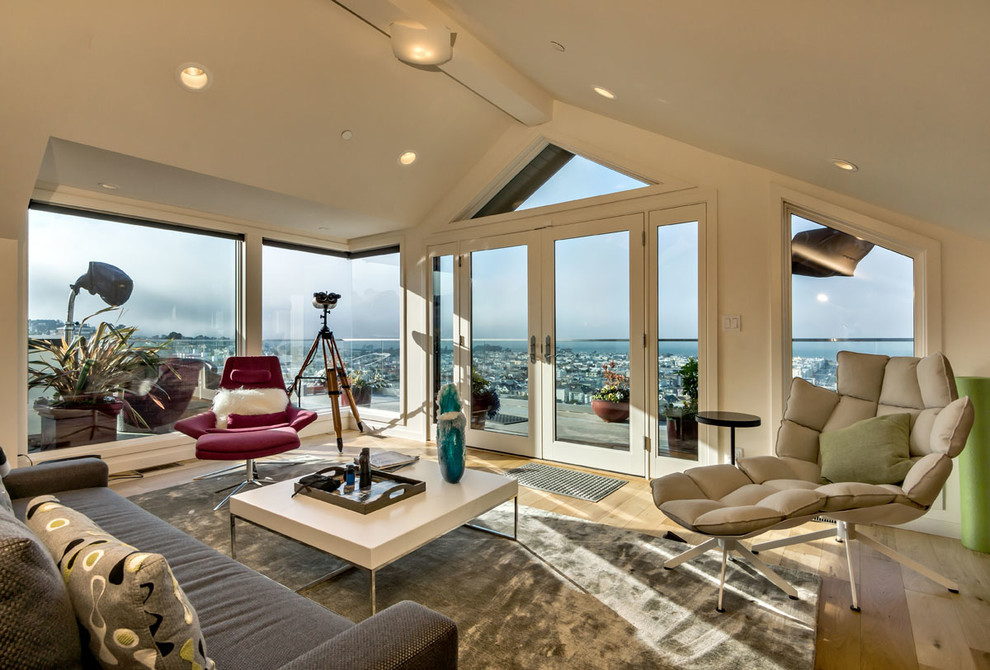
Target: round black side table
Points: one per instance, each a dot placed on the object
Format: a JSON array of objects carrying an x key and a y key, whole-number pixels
[{"x": 732, "y": 420}]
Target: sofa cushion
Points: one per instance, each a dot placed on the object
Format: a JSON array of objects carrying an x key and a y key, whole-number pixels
[
  {"x": 128, "y": 600},
  {"x": 37, "y": 625},
  {"x": 257, "y": 420},
  {"x": 249, "y": 621},
  {"x": 872, "y": 451}
]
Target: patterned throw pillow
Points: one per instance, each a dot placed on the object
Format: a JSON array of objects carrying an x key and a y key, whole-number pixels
[
  {"x": 37, "y": 625},
  {"x": 129, "y": 601}
]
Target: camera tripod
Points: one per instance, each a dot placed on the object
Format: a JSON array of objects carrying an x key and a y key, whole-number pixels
[{"x": 337, "y": 381}]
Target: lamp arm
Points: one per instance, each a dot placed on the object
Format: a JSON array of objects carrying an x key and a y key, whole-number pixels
[{"x": 67, "y": 328}]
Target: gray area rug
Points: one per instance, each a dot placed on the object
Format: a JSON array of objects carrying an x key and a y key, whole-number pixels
[
  {"x": 581, "y": 485},
  {"x": 571, "y": 594}
]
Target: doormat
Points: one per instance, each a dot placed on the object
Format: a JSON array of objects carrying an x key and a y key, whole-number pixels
[
  {"x": 581, "y": 485},
  {"x": 508, "y": 419}
]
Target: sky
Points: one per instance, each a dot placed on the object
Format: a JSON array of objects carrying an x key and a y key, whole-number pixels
[{"x": 186, "y": 283}]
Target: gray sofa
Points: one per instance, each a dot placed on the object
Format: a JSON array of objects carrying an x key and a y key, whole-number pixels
[{"x": 248, "y": 620}]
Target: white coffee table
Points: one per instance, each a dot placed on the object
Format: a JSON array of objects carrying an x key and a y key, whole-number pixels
[{"x": 372, "y": 541}]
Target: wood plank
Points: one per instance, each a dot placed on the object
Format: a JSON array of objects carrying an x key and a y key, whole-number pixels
[
  {"x": 884, "y": 614},
  {"x": 839, "y": 632},
  {"x": 938, "y": 636}
]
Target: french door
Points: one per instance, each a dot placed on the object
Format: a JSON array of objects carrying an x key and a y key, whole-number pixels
[{"x": 554, "y": 338}]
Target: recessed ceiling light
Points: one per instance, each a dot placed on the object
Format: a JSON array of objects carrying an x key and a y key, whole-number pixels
[
  {"x": 193, "y": 77},
  {"x": 407, "y": 158},
  {"x": 108, "y": 186},
  {"x": 604, "y": 92},
  {"x": 557, "y": 46},
  {"x": 346, "y": 135},
  {"x": 844, "y": 165}
]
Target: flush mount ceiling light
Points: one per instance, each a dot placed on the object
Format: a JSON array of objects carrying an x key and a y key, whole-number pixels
[
  {"x": 193, "y": 77},
  {"x": 844, "y": 165},
  {"x": 407, "y": 158},
  {"x": 604, "y": 92},
  {"x": 415, "y": 44},
  {"x": 108, "y": 186}
]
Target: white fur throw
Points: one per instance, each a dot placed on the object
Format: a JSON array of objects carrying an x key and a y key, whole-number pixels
[{"x": 247, "y": 401}]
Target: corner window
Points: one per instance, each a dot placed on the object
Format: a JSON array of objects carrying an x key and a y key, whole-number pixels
[
  {"x": 365, "y": 322},
  {"x": 129, "y": 325},
  {"x": 848, "y": 292}
]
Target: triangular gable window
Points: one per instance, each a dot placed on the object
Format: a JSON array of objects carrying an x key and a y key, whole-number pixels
[{"x": 555, "y": 176}]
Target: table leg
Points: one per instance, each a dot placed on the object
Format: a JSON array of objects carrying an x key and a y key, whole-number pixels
[
  {"x": 515, "y": 524},
  {"x": 373, "y": 597},
  {"x": 732, "y": 444},
  {"x": 233, "y": 547}
]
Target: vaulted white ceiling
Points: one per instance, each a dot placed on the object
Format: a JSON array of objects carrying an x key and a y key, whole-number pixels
[{"x": 898, "y": 87}]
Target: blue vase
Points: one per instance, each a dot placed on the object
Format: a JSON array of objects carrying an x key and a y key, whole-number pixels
[{"x": 450, "y": 445}]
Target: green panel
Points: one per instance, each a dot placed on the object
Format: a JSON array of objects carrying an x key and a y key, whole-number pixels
[{"x": 974, "y": 467}]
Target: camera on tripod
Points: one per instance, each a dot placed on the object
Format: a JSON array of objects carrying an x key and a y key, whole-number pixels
[{"x": 325, "y": 300}]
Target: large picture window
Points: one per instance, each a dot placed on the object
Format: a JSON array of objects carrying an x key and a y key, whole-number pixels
[
  {"x": 365, "y": 323},
  {"x": 130, "y": 324},
  {"x": 848, "y": 292}
]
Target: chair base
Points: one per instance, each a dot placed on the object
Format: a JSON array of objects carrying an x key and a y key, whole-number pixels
[
  {"x": 731, "y": 545},
  {"x": 231, "y": 468},
  {"x": 845, "y": 532},
  {"x": 251, "y": 478}
]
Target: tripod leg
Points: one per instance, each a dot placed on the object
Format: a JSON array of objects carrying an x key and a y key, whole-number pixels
[
  {"x": 345, "y": 381},
  {"x": 333, "y": 390},
  {"x": 297, "y": 382}
]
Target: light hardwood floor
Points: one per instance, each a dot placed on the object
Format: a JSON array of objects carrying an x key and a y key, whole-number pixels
[{"x": 906, "y": 620}]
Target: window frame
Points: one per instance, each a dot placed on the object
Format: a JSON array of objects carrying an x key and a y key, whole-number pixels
[{"x": 925, "y": 253}]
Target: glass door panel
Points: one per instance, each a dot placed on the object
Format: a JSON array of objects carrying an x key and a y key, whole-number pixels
[
  {"x": 500, "y": 360},
  {"x": 591, "y": 357},
  {"x": 443, "y": 325},
  {"x": 594, "y": 405},
  {"x": 677, "y": 340}
]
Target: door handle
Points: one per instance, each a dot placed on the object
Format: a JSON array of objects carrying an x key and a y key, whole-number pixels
[
  {"x": 532, "y": 349},
  {"x": 547, "y": 350}
]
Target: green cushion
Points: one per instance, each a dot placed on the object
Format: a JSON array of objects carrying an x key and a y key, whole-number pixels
[
  {"x": 872, "y": 451},
  {"x": 128, "y": 600}
]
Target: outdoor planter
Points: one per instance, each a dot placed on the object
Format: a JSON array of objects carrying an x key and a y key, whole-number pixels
[
  {"x": 610, "y": 412},
  {"x": 63, "y": 427}
]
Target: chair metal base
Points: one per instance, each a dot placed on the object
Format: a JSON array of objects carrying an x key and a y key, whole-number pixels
[
  {"x": 845, "y": 532},
  {"x": 729, "y": 545},
  {"x": 251, "y": 479},
  {"x": 231, "y": 468}
]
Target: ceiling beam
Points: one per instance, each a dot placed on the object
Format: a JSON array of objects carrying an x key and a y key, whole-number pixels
[{"x": 473, "y": 65}]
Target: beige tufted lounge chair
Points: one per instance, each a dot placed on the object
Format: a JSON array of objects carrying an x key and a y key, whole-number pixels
[{"x": 729, "y": 504}]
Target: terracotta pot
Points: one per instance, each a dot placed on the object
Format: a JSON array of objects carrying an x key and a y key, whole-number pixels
[
  {"x": 63, "y": 427},
  {"x": 610, "y": 412}
]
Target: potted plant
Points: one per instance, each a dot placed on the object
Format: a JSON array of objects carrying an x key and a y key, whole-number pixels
[
  {"x": 484, "y": 400},
  {"x": 682, "y": 424},
  {"x": 611, "y": 402},
  {"x": 363, "y": 383},
  {"x": 87, "y": 377}
]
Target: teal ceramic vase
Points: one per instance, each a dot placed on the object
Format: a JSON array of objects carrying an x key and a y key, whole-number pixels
[{"x": 450, "y": 435}]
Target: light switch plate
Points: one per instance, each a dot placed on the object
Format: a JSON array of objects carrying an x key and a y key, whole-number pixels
[{"x": 731, "y": 322}]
